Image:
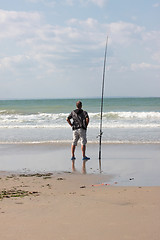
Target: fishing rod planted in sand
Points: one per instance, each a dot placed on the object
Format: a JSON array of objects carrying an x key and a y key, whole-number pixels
[{"x": 101, "y": 116}]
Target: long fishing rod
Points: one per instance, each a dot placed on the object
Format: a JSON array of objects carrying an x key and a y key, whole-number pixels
[{"x": 103, "y": 81}]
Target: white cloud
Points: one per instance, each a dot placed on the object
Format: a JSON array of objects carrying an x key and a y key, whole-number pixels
[
  {"x": 33, "y": 1},
  {"x": 120, "y": 33},
  {"x": 152, "y": 35},
  {"x": 28, "y": 29},
  {"x": 49, "y": 47},
  {"x": 69, "y": 2},
  {"x": 144, "y": 66},
  {"x": 156, "y": 5},
  {"x": 11, "y": 62},
  {"x": 156, "y": 56},
  {"x": 14, "y": 24},
  {"x": 99, "y": 3},
  {"x": 52, "y": 3},
  {"x": 49, "y": 3},
  {"x": 7, "y": 62},
  {"x": 125, "y": 33}
]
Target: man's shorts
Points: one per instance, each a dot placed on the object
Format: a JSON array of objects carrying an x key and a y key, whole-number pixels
[{"x": 79, "y": 134}]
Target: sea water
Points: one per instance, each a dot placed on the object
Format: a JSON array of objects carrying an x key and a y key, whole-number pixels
[{"x": 125, "y": 120}]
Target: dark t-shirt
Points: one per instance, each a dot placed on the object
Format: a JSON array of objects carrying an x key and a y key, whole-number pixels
[{"x": 79, "y": 118}]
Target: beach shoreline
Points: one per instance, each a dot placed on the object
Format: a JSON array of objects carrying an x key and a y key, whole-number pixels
[
  {"x": 127, "y": 164},
  {"x": 73, "y": 206}
]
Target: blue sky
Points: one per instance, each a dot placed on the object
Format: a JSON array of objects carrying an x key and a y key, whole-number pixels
[{"x": 55, "y": 49}]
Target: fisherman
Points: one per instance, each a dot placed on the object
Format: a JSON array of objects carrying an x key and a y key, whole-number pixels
[{"x": 79, "y": 123}]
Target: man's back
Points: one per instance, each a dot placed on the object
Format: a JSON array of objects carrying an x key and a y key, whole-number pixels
[{"x": 79, "y": 119}]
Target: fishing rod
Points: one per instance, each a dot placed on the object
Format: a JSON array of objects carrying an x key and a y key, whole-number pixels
[{"x": 101, "y": 117}]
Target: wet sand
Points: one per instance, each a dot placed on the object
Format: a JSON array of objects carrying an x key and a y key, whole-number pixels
[
  {"x": 128, "y": 164},
  {"x": 75, "y": 206}
]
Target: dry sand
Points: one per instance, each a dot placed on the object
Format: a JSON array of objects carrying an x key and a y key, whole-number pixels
[{"x": 68, "y": 207}]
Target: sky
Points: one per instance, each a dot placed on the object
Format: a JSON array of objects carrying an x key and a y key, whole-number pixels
[{"x": 55, "y": 48}]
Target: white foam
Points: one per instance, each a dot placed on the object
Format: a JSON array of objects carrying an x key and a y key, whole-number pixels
[
  {"x": 69, "y": 142},
  {"x": 58, "y": 120},
  {"x": 127, "y": 115}
]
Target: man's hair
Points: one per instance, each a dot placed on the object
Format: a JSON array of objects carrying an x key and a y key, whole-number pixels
[{"x": 79, "y": 104}]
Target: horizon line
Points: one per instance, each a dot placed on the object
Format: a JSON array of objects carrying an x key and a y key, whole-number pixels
[{"x": 67, "y": 98}]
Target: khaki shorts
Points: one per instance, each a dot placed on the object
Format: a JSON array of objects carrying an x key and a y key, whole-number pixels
[{"x": 79, "y": 134}]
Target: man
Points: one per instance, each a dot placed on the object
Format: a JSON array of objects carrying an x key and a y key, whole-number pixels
[{"x": 80, "y": 121}]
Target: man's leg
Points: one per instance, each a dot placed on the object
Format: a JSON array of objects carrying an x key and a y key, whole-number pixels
[
  {"x": 73, "y": 157},
  {"x": 83, "y": 147},
  {"x": 73, "y": 147}
]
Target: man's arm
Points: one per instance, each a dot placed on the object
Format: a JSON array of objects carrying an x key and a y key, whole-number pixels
[
  {"x": 86, "y": 118},
  {"x": 68, "y": 120},
  {"x": 87, "y": 121}
]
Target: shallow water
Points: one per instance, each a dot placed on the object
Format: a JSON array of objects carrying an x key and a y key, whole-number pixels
[{"x": 126, "y": 164}]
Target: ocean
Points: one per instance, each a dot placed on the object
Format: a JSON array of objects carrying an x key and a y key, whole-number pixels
[{"x": 125, "y": 120}]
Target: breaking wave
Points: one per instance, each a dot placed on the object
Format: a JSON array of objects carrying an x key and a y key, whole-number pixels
[{"x": 58, "y": 120}]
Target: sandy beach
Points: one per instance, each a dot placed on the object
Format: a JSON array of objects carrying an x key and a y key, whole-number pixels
[
  {"x": 41, "y": 199},
  {"x": 74, "y": 206},
  {"x": 87, "y": 73}
]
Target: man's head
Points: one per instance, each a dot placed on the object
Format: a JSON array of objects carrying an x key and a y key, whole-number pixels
[{"x": 79, "y": 104}]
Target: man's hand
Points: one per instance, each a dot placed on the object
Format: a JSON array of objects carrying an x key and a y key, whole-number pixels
[{"x": 69, "y": 122}]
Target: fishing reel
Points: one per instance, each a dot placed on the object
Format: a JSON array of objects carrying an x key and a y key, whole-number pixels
[{"x": 99, "y": 135}]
